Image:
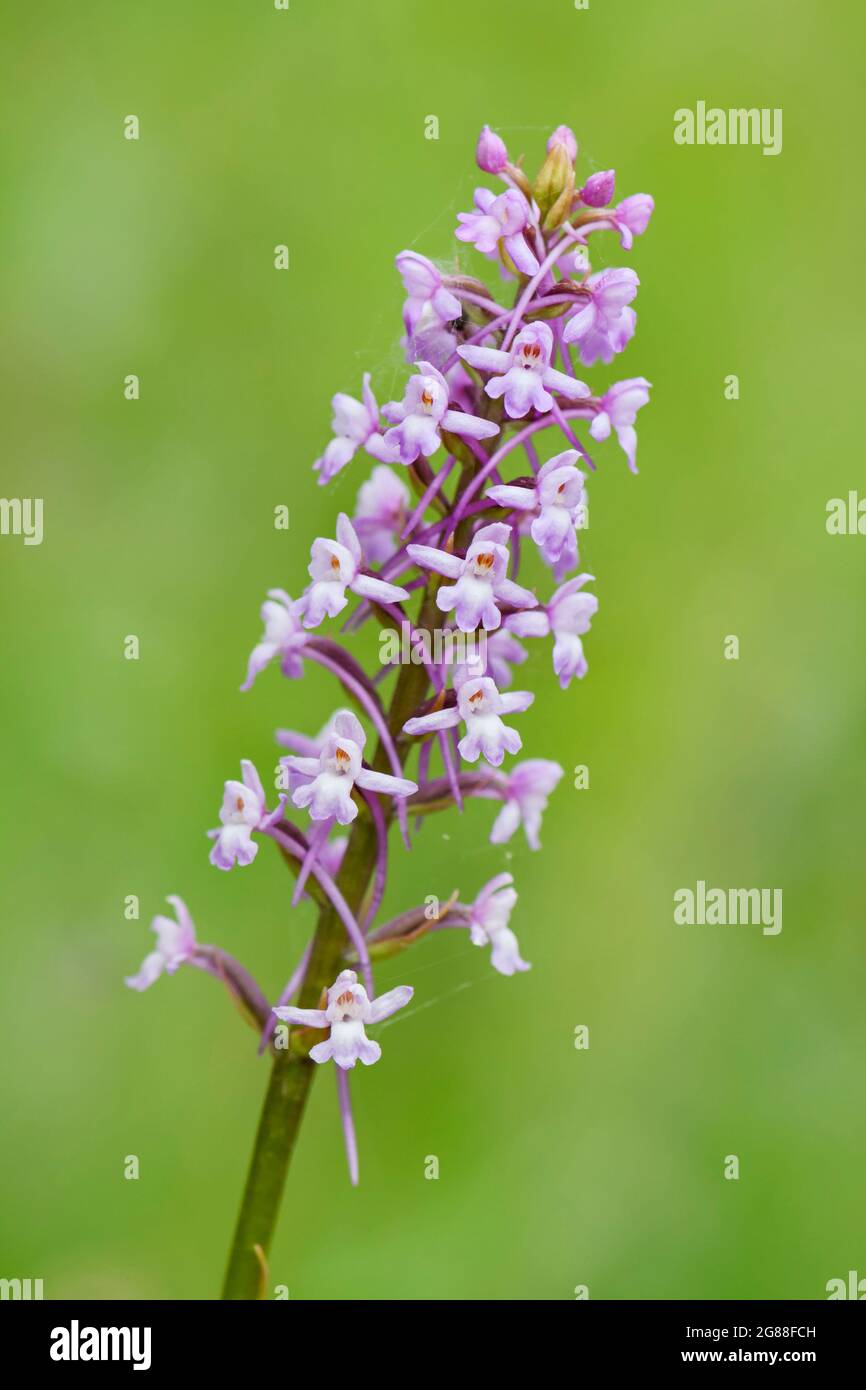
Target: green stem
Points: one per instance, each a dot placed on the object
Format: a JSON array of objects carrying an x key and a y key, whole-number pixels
[{"x": 292, "y": 1073}]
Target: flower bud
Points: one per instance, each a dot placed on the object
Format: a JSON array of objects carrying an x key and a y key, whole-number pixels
[
  {"x": 564, "y": 135},
  {"x": 555, "y": 181},
  {"x": 557, "y": 214},
  {"x": 490, "y": 152},
  {"x": 598, "y": 189}
]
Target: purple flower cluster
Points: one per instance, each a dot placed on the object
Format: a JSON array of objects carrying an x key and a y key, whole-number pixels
[{"x": 485, "y": 382}]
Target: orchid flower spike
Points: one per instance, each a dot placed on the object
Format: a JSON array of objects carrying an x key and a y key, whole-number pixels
[
  {"x": 244, "y": 811},
  {"x": 618, "y": 410},
  {"x": 528, "y": 787},
  {"x": 524, "y": 375},
  {"x": 481, "y": 584},
  {"x": 479, "y": 707},
  {"x": 337, "y": 770},
  {"x": 499, "y": 218},
  {"x": 355, "y": 426},
  {"x": 605, "y": 324},
  {"x": 349, "y": 1010},
  {"x": 283, "y": 636},
  {"x": 556, "y": 502},
  {"x": 335, "y": 566},
  {"x": 422, "y": 413},
  {"x": 175, "y": 945},
  {"x": 489, "y": 916},
  {"x": 567, "y": 616}
]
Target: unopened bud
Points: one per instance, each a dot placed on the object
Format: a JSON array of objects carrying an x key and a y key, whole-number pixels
[
  {"x": 490, "y": 152},
  {"x": 557, "y": 214},
  {"x": 598, "y": 189},
  {"x": 564, "y": 135},
  {"x": 554, "y": 186}
]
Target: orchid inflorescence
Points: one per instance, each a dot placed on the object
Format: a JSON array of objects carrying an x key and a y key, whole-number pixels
[{"x": 481, "y": 369}]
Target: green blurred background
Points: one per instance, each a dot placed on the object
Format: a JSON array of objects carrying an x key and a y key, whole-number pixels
[{"x": 557, "y": 1167}]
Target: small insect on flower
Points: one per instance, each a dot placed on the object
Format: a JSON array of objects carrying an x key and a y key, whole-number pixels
[{"x": 427, "y": 295}]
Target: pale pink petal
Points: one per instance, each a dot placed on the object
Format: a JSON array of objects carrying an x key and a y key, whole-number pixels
[
  {"x": 472, "y": 425},
  {"x": 485, "y": 359},
  {"x": 387, "y": 1004},
  {"x": 514, "y": 594},
  {"x": 431, "y": 723},
  {"x": 523, "y": 498},
  {"x": 439, "y": 560},
  {"x": 377, "y": 589},
  {"x": 305, "y": 1018},
  {"x": 385, "y": 783},
  {"x": 516, "y": 701},
  {"x": 347, "y": 537},
  {"x": 565, "y": 385}
]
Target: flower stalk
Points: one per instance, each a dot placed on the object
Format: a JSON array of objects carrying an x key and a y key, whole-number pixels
[{"x": 487, "y": 382}]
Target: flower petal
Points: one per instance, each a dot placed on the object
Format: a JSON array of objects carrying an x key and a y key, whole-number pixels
[
  {"x": 383, "y": 782},
  {"x": 387, "y": 1004},
  {"x": 442, "y": 561},
  {"x": 431, "y": 723},
  {"x": 458, "y": 422},
  {"x": 365, "y": 586},
  {"x": 305, "y": 1018}
]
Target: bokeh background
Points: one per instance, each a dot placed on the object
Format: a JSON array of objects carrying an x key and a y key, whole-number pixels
[{"x": 557, "y": 1167}]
